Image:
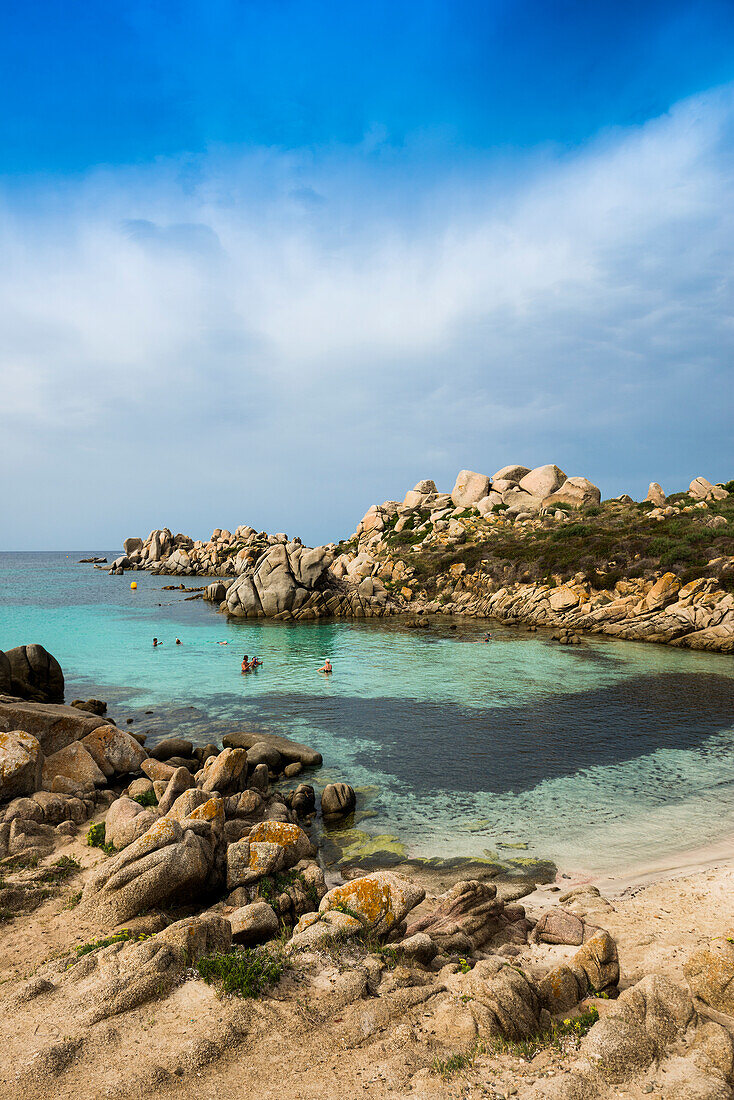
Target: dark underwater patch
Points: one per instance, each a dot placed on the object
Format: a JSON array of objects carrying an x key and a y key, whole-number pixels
[{"x": 431, "y": 746}]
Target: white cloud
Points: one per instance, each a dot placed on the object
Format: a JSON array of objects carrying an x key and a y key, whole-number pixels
[{"x": 283, "y": 337}]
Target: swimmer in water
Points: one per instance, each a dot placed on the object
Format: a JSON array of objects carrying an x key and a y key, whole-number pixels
[
  {"x": 156, "y": 642},
  {"x": 178, "y": 641},
  {"x": 326, "y": 667},
  {"x": 255, "y": 663},
  {"x": 245, "y": 664}
]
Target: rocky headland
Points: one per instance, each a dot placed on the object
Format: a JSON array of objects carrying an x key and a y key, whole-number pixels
[
  {"x": 168, "y": 926},
  {"x": 531, "y": 547}
]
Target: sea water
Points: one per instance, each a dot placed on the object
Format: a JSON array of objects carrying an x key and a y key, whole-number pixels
[{"x": 596, "y": 756}]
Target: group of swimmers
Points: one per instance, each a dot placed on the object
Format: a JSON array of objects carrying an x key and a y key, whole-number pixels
[{"x": 250, "y": 666}]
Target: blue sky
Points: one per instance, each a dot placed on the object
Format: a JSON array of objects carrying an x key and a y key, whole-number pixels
[{"x": 272, "y": 262}]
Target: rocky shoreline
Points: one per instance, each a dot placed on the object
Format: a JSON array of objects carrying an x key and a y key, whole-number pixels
[
  {"x": 166, "y": 923},
  {"x": 524, "y": 546}
]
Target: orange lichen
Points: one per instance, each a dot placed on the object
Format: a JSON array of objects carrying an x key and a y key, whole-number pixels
[
  {"x": 277, "y": 832},
  {"x": 262, "y": 854},
  {"x": 212, "y": 810},
  {"x": 370, "y": 897}
]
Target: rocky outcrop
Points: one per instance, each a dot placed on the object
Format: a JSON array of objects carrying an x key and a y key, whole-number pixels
[
  {"x": 701, "y": 489},
  {"x": 21, "y": 764},
  {"x": 30, "y": 672},
  {"x": 380, "y": 901},
  {"x": 114, "y": 751},
  {"x": 126, "y": 821},
  {"x": 646, "y": 1019},
  {"x": 168, "y": 862},
  {"x": 694, "y": 616},
  {"x": 254, "y": 923},
  {"x": 493, "y": 1000},
  {"x": 290, "y": 751},
  {"x": 337, "y": 800},
  {"x": 710, "y": 974},
  {"x": 74, "y": 763},
  {"x": 561, "y": 926},
  {"x": 282, "y": 579},
  {"x": 384, "y": 567},
  {"x": 469, "y": 916},
  {"x": 656, "y": 495},
  {"x": 544, "y": 480},
  {"x": 574, "y": 491},
  {"x": 469, "y": 488},
  {"x": 651, "y": 1039},
  {"x": 377, "y": 904},
  {"x": 54, "y": 726},
  {"x": 6, "y": 676}
]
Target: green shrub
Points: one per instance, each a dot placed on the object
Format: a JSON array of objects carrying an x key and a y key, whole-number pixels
[
  {"x": 245, "y": 972},
  {"x": 574, "y": 531},
  {"x": 96, "y": 838},
  {"x": 147, "y": 798}
]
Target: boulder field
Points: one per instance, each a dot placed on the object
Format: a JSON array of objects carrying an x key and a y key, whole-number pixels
[
  {"x": 524, "y": 545},
  {"x": 188, "y": 941}
]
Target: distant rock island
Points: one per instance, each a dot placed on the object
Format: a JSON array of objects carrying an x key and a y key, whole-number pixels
[{"x": 528, "y": 546}]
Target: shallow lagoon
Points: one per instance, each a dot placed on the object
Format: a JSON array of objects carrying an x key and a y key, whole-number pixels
[{"x": 597, "y": 756}]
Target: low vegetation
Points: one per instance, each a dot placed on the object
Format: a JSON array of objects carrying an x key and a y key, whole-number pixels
[
  {"x": 607, "y": 543},
  {"x": 96, "y": 838},
  {"x": 245, "y": 972},
  {"x": 21, "y": 862},
  {"x": 270, "y": 887},
  {"x": 118, "y": 937},
  {"x": 61, "y": 869},
  {"x": 561, "y": 1036},
  {"x": 147, "y": 798}
]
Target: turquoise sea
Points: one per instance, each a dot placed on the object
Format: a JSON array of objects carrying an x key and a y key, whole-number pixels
[{"x": 597, "y": 757}]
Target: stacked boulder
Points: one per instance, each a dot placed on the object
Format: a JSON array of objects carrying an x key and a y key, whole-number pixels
[
  {"x": 701, "y": 489},
  {"x": 285, "y": 578},
  {"x": 225, "y": 554},
  {"x": 521, "y": 491}
]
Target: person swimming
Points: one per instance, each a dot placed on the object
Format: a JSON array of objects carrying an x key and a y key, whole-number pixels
[
  {"x": 245, "y": 664},
  {"x": 326, "y": 667},
  {"x": 156, "y": 642},
  {"x": 178, "y": 641},
  {"x": 255, "y": 663}
]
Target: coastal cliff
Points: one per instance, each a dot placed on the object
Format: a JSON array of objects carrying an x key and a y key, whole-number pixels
[{"x": 524, "y": 546}]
